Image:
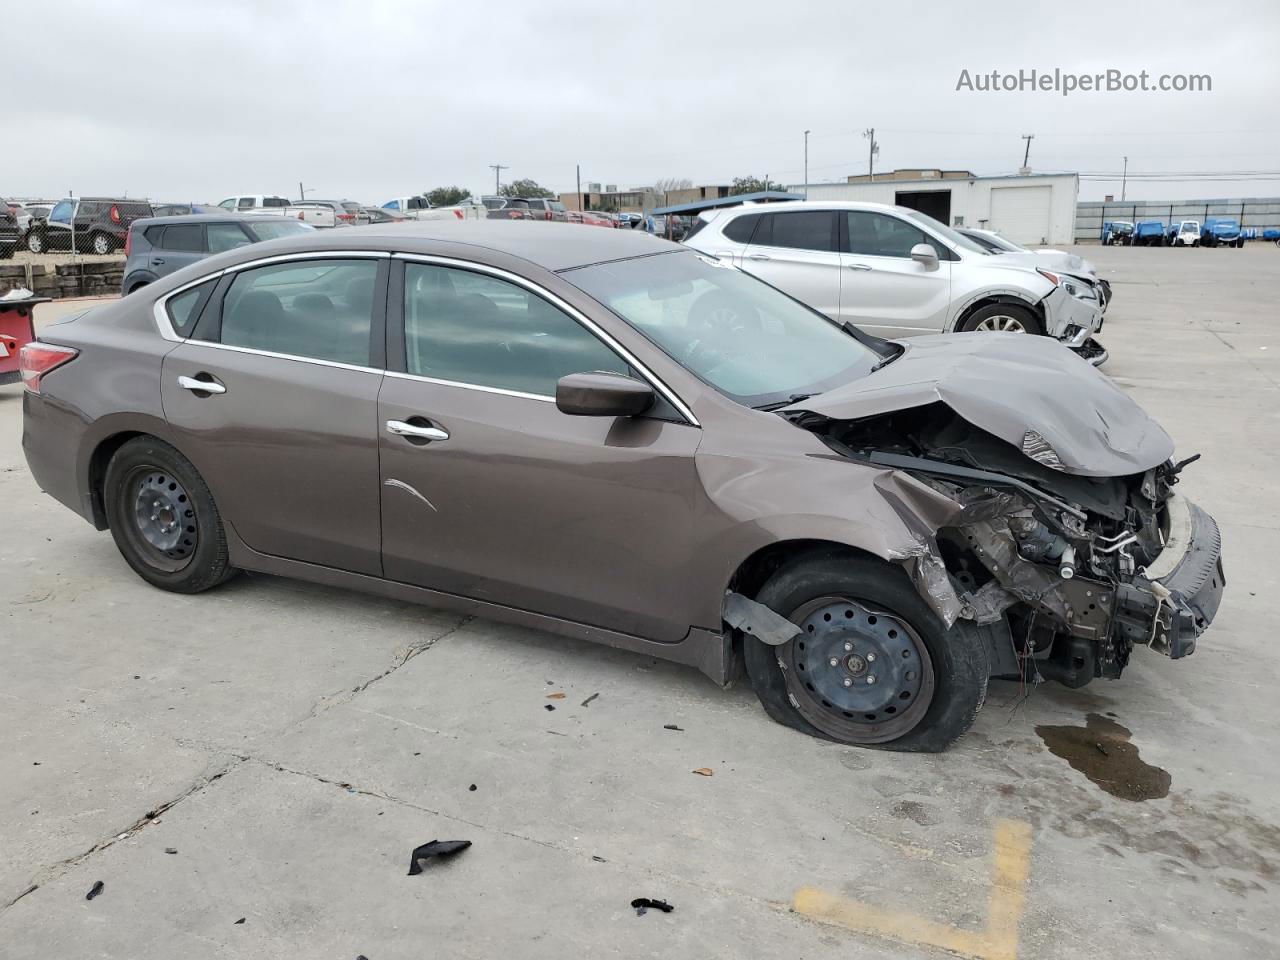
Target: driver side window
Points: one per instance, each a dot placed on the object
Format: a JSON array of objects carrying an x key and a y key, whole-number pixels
[
  {"x": 880, "y": 235},
  {"x": 475, "y": 329}
]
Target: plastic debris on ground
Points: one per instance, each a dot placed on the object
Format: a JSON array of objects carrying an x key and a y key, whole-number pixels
[
  {"x": 643, "y": 905},
  {"x": 94, "y": 890},
  {"x": 436, "y": 849}
]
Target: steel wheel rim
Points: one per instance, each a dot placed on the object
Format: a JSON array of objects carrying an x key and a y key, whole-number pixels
[
  {"x": 1001, "y": 323},
  {"x": 160, "y": 518},
  {"x": 865, "y": 642}
]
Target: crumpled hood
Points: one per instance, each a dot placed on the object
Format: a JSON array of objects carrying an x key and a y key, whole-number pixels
[
  {"x": 1054, "y": 260},
  {"x": 1007, "y": 384}
]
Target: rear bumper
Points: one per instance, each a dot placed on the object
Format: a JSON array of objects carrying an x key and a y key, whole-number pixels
[{"x": 1177, "y": 596}]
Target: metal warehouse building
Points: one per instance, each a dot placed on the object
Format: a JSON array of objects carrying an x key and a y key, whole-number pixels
[{"x": 1030, "y": 208}]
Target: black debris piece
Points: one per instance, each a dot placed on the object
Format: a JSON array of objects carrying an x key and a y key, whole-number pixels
[
  {"x": 472, "y": 788},
  {"x": 587, "y": 702},
  {"x": 598, "y": 859},
  {"x": 643, "y": 905},
  {"x": 548, "y": 706},
  {"x": 241, "y": 920},
  {"x": 171, "y": 850},
  {"x": 94, "y": 890},
  {"x": 436, "y": 848},
  {"x": 672, "y": 726}
]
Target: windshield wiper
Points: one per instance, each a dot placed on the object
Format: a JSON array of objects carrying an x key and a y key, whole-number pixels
[{"x": 779, "y": 404}]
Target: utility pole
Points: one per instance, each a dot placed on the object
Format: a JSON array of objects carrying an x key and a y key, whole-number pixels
[
  {"x": 497, "y": 169},
  {"x": 302, "y": 194},
  {"x": 872, "y": 150},
  {"x": 806, "y": 164},
  {"x": 1124, "y": 179},
  {"x": 577, "y": 169},
  {"x": 1026, "y": 154}
]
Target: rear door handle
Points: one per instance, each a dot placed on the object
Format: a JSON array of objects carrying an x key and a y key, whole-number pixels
[
  {"x": 858, "y": 266},
  {"x": 201, "y": 386},
  {"x": 402, "y": 429},
  {"x": 758, "y": 256},
  {"x": 157, "y": 261}
]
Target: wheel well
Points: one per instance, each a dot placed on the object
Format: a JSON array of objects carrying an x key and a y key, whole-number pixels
[
  {"x": 1008, "y": 298},
  {"x": 765, "y": 562},
  {"x": 102, "y": 454},
  {"x": 138, "y": 286}
]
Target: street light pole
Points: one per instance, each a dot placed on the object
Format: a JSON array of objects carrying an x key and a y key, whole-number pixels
[
  {"x": 1124, "y": 179},
  {"x": 806, "y": 164}
]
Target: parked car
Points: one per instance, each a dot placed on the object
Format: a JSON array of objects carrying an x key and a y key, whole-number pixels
[
  {"x": 1149, "y": 233},
  {"x": 544, "y": 209},
  {"x": 506, "y": 208},
  {"x": 1185, "y": 233},
  {"x": 381, "y": 215},
  {"x": 896, "y": 272},
  {"x": 1117, "y": 232},
  {"x": 157, "y": 247},
  {"x": 1221, "y": 232},
  {"x": 591, "y": 218},
  {"x": 332, "y": 213},
  {"x": 182, "y": 209},
  {"x": 256, "y": 203},
  {"x": 97, "y": 224},
  {"x": 1075, "y": 268},
  {"x": 868, "y": 526},
  {"x": 419, "y": 208},
  {"x": 10, "y": 232}
]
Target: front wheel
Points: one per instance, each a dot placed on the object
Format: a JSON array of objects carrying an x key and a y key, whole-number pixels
[
  {"x": 163, "y": 518},
  {"x": 873, "y": 665},
  {"x": 1002, "y": 318}
]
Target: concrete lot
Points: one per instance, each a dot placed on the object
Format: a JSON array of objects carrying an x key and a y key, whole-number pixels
[{"x": 293, "y": 744}]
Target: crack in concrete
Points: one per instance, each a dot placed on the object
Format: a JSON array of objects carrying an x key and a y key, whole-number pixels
[{"x": 55, "y": 870}]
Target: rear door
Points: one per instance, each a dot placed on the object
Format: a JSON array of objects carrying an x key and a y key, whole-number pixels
[
  {"x": 883, "y": 290},
  {"x": 798, "y": 252},
  {"x": 274, "y": 400},
  {"x": 513, "y": 502},
  {"x": 180, "y": 244}
]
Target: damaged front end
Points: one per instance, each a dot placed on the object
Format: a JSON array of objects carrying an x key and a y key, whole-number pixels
[{"x": 1080, "y": 567}]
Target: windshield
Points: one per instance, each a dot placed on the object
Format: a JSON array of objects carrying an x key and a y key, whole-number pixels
[
  {"x": 1000, "y": 243},
  {"x": 278, "y": 228},
  {"x": 746, "y": 339},
  {"x": 942, "y": 230}
]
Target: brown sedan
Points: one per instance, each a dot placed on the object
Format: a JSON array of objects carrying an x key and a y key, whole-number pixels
[{"x": 612, "y": 437}]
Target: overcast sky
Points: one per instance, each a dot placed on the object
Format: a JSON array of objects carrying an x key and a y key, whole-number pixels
[{"x": 368, "y": 100}]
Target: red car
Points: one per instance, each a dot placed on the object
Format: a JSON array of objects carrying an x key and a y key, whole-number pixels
[{"x": 17, "y": 329}]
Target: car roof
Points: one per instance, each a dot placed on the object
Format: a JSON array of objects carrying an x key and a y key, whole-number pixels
[
  {"x": 552, "y": 246},
  {"x": 145, "y": 222}
]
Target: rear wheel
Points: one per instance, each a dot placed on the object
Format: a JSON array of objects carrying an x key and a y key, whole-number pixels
[
  {"x": 1002, "y": 318},
  {"x": 163, "y": 518},
  {"x": 35, "y": 241},
  {"x": 101, "y": 244},
  {"x": 873, "y": 666}
]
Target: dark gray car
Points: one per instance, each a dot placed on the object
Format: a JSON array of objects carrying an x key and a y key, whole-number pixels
[
  {"x": 158, "y": 246},
  {"x": 615, "y": 438}
]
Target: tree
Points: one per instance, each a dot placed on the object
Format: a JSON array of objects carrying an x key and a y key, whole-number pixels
[
  {"x": 667, "y": 184},
  {"x": 525, "y": 188},
  {"x": 752, "y": 185},
  {"x": 447, "y": 196}
]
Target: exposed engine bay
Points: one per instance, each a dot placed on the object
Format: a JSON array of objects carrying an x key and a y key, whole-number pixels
[{"x": 1080, "y": 568}]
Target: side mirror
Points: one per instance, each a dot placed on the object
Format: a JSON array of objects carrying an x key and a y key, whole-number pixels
[
  {"x": 602, "y": 395},
  {"x": 925, "y": 254}
]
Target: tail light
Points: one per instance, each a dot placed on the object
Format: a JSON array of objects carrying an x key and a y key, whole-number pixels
[
  {"x": 301, "y": 215},
  {"x": 115, "y": 213},
  {"x": 458, "y": 214},
  {"x": 35, "y": 359},
  {"x": 346, "y": 216},
  {"x": 546, "y": 214}
]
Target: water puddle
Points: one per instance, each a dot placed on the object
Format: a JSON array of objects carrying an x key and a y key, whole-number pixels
[{"x": 1102, "y": 752}]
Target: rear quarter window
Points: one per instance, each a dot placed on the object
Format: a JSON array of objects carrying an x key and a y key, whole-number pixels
[
  {"x": 740, "y": 229},
  {"x": 184, "y": 309}
]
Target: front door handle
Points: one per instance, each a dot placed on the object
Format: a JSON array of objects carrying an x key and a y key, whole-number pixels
[
  {"x": 201, "y": 386},
  {"x": 858, "y": 266},
  {"x": 758, "y": 256},
  {"x": 402, "y": 429}
]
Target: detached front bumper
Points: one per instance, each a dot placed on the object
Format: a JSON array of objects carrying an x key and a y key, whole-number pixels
[
  {"x": 1070, "y": 319},
  {"x": 1175, "y": 599}
]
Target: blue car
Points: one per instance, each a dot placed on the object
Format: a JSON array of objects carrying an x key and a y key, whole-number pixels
[
  {"x": 1149, "y": 233},
  {"x": 1221, "y": 232}
]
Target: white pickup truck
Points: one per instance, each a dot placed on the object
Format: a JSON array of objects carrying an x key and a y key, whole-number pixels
[
  {"x": 317, "y": 215},
  {"x": 417, "y": 208}
]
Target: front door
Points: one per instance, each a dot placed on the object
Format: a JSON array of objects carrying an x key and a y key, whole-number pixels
[
  {"x": 275, "y": 402},
  {"x": 883, "y": 290},
  {"x": 797, "y": 252},
  {"x": 490, "y": 492}
]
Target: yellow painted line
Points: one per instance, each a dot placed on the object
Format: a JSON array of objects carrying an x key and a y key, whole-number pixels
[{"x": 997, "y": 941}]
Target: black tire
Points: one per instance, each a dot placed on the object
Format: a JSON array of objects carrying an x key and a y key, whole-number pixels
[
  {"x": 187, "y": 559},
  {"x": 35, "y": 241},
  {"x": 992, "y": 313},
  {"x": 916, "y": 714}
]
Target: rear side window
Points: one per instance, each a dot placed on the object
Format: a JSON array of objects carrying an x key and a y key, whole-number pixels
[
  {"x": 272, "y": 230},
  {"x": 153, "y": 235},
  {"x": 274, "y": 202},
  {"x": 184, "y": 309},
  {"x": 475, "y": 329},
  {"x": 740, "y": 228},
  {"x": 245, "y": 203},
  {"x": 225, "y": 236},
  {"x": 417, "y": 203},
  {"x": 183, "y": 236},
  {"x": 321, "y": 309},
  {"x": 802, "y": 230}
]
